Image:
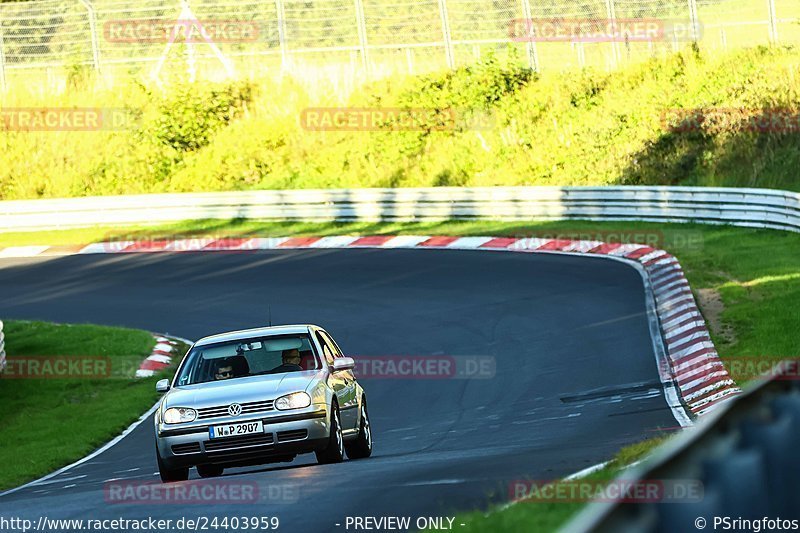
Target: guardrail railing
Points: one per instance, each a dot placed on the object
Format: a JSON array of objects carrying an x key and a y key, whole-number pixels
[
  {"x": 744, "y": 456},
  {"x": 764, "y": 208}
]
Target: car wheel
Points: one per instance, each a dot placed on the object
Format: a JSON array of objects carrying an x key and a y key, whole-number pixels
[
  {"x": 168, "y": 475},
  {"x": 334, "y": 451},
  {"x": 209, "y": 470},
  {"x": 361, "y": 448}
]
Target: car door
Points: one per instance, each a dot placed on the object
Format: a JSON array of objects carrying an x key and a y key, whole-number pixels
[{"x": 348, "y": 403}]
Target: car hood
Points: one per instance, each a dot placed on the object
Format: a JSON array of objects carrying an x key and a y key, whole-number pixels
[{"x": 240, "y": 390}]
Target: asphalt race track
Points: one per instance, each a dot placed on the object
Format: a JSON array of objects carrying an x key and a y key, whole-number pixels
[{"x": 575, "y": 377}]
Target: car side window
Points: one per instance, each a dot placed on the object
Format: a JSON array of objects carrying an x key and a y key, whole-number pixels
[
  {"x": 336, "y": 351},
  {"x": 326, "y": 348}
]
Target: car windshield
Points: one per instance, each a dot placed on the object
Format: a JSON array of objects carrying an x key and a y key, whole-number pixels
[{"x": 248, "y": 357}]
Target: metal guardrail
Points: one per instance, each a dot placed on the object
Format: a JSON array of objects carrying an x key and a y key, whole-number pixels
[
  {"x": 763, "y": 208},
  {"x": 745, "y": 456}
]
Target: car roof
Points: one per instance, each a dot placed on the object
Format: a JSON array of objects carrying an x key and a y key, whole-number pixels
[{"x": 256, "y": 332}]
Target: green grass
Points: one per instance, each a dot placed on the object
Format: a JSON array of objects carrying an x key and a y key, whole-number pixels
[
  {"x": 48, "y": 423},
  {"x": 578, "y": 127}
]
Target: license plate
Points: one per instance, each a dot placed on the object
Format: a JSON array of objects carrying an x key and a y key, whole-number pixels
[{"x": 234, "y": 430}]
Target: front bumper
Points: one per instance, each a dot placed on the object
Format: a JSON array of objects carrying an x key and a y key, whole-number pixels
[{"x": 285, "y": 435}]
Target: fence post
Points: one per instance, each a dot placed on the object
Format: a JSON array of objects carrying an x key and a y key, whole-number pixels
[
  {"x": 773, "y": 22},
  {"x": 410, "y": 60},
  {"x": 611, "y": 14},
  {"x": 2, "y": 60},
  {"x": 530, "y": 44},
  {"x": 282, "y": 34},
  {"x": 361, "y": 24},
  {"x": 448, "y": 41},
  {"x": 93, "y": 33},
  {"x": 694, "y": 20}
]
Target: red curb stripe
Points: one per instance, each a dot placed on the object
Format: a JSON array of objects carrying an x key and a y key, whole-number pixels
[
  {"x": 656, "y": 259},
  {"x": 659, "y": 270},
  {"x": 226, "y": 244},
  {"x": 679, "y": 325},
  {"x": 701, "y": 386},
  {"x": 668, "y": 279},
  {"x": 499, "y": 242},
  {"x": 372, "y": 240},
  {"x": 556, "y": 244},
  {"x": 298, "y": 242},
  {"x": 438, "y": 241},
  {"x": 148, "y": 364},
  {"x": 64, "y": 249},
  {"x": 641, "y": 252},
  {"x": 685, "y": 345},
  {"x": 145, "y": 246},
  {"x": 605, "y": 248},
  {"x": 714, "y": 366},
  {"x": 693, "y": 355},
  {"x": 714, "y": 402},
  {"x": 683, "y": 334},
  {"x": 674, "y": 314}
]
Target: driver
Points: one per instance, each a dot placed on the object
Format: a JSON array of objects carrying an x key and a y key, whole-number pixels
[
  {"x": 291, "y": 361},
  {"x": 224, "y": 372}
]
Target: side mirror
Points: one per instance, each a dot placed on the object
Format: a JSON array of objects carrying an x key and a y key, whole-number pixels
[
  {"x": 343, "y": 363},
  {"x": 162, "y": 385}
]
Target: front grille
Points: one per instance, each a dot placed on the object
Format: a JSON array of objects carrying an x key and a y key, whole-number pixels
[
  {"x": 189, "y": 447},
  {"x": 247, "y": 408},
  {"x": 295, "y": 434},
  {"x": 260, "y": 439}
]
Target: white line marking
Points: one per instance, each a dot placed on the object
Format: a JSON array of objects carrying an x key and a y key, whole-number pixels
[
  {"x": 22, "y": 251},
  {"x": 60, "y": 480},
  {"x": 435, "y": 482},
  {"x": 587, "y": 471}
]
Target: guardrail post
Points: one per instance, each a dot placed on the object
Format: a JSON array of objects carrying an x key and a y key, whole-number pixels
[
  {"x": 530, "y": 44},
  {"x": 773, "y": 22},
  {"x": 693, "y": 20},
  {"x": 281, "y": 14},
  {"x": 93, "y": 33},
  {"x": 361, "y": 24},
  {"x": 611, "y": 14},
  {"x": 448, "y": 41}
]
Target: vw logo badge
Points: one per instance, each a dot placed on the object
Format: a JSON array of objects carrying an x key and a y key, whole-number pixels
[{"x": 234, "y": 409}]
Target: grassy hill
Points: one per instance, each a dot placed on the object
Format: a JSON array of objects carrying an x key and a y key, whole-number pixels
[{"x": 514, "y": 128}]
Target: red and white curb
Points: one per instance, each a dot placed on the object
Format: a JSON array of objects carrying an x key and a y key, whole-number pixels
[
  {"x": 161, "y": 357},
  {"x": 694, "y": 366}
]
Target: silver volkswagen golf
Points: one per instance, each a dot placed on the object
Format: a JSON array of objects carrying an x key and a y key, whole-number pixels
[{"x": 260, "y": 396}]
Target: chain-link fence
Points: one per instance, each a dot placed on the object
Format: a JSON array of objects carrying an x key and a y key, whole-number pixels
[{"x": 350, "y": 40}]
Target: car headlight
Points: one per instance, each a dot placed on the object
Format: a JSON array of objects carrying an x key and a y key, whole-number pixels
[
  {"x": 176, "y": 415},
  {"x": 295, "y": 400}
]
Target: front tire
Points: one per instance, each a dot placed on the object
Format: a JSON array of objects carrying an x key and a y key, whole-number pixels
[
  {"x": 361, "y": 448},
  {"x": 209, "y": 470},
  {"x": 334, "y": 451},
  {"x": 170, "y": 475}
]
